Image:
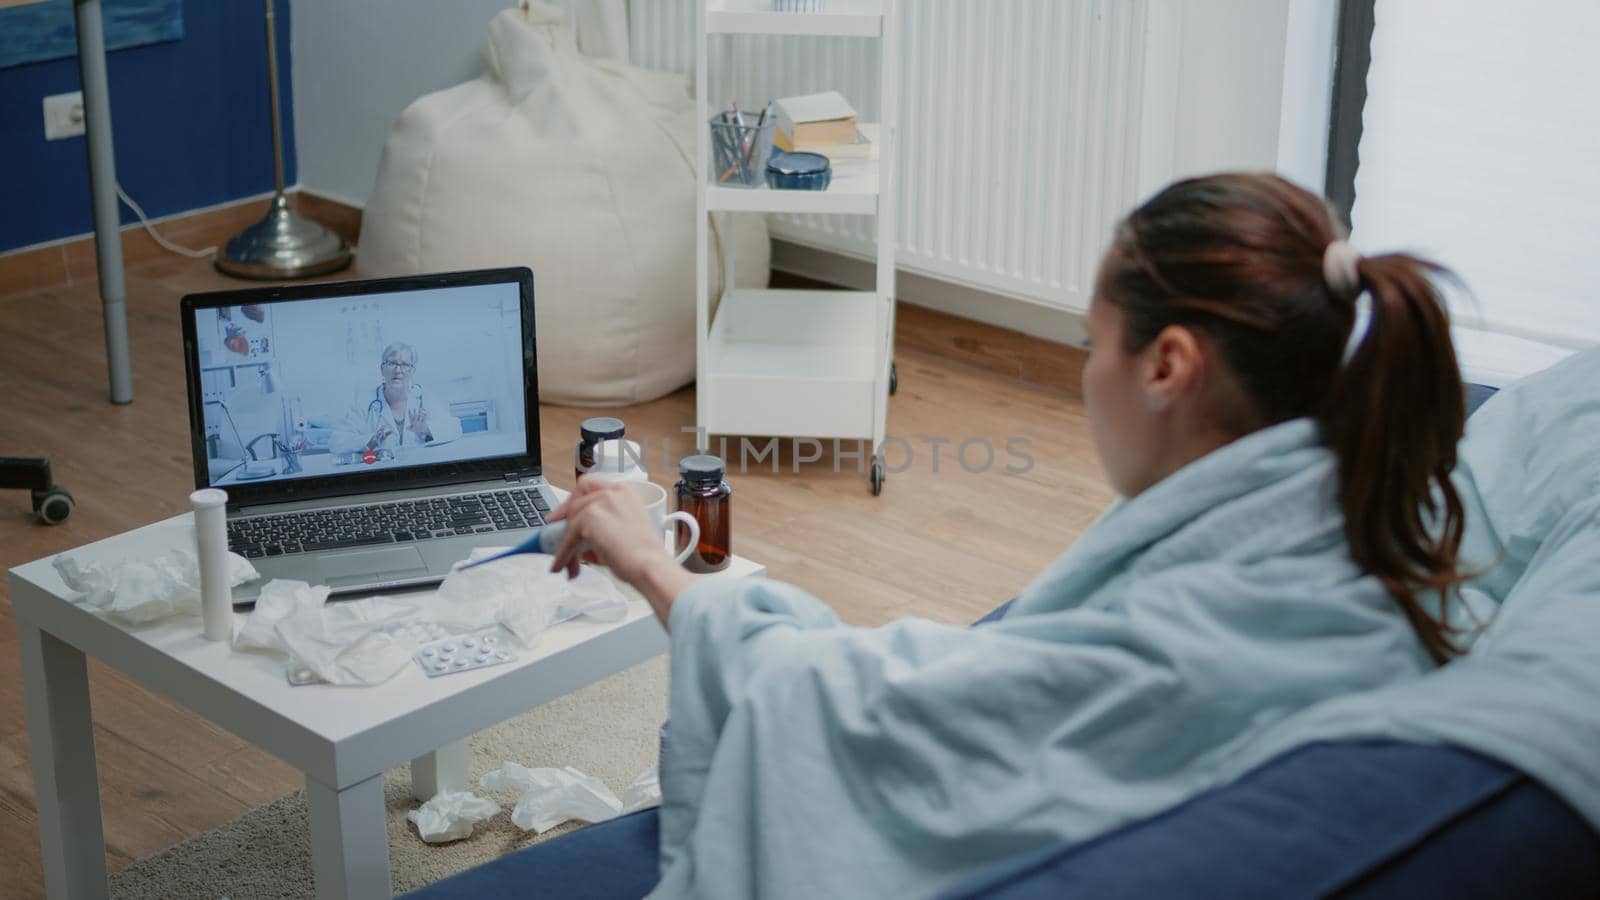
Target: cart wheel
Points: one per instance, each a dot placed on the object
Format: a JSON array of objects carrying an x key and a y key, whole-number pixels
[
  {"x": 876, "y": 478},
  {"x": 53, "y": 505},
  {"x": 894, "y": 379}
]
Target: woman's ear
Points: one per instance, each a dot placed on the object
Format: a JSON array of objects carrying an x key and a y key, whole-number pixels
[{"x": 1175, "y": 365}]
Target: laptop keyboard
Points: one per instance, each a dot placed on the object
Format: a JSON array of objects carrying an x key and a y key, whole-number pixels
[{"x": 386, "y": 523}]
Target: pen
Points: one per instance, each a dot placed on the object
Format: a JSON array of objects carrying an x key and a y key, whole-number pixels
[{"x": 745, "y": 144}]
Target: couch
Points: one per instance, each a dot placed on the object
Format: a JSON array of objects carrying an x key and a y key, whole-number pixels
[{"x": 1357, "y": 819}]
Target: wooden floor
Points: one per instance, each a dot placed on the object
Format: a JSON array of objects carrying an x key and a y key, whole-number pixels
[{"x": 941, "y": 542}]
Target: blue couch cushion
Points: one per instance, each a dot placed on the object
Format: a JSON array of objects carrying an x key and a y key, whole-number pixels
[
  {"x": 1333, "y": 820},
  {"x": 1343, "y": 820},
  {"x": 615, "y": 859}
]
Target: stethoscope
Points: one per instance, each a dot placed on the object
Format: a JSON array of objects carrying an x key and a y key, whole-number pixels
[{"x": 375, "y": 408}]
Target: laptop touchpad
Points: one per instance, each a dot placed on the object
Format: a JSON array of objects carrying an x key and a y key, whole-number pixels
[{"x": 365, "y": 565}]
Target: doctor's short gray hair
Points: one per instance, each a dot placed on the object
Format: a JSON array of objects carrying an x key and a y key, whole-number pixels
[{"x": 396, "y": 348}]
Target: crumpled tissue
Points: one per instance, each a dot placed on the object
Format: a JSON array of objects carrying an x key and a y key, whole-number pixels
[
  {"x": 451, "y": 815},
  {"x": 645, "y": 791},
  {"x": 279, "y": 599},
  {"x": 137, "y": 591},
  {"x": 552, "y": 796},
  {"x": 353, "y": 641},
  {"x": 523, "y": 595}
]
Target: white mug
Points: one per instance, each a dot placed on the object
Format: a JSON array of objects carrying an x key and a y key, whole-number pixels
[
  {"x": 618, "y": 460},
  {"x": 654, "y": 498}
]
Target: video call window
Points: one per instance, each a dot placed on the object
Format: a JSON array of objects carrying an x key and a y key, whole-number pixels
[{"x": 313, "y": 388}]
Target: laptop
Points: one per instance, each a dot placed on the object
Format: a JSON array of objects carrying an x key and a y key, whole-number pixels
[{"x": 369, "y": 434}]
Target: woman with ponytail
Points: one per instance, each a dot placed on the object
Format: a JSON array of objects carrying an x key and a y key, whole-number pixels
[
  {"x": 1242, "y": 297},
  {"x": 1279, "y": 416}
]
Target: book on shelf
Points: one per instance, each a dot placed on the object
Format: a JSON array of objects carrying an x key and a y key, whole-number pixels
[
  {"x": 814, "y": 120},
  {"x": 865, "y": 146}
]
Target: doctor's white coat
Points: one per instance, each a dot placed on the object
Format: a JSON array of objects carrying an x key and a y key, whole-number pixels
[{"x": 369, "y": 411}]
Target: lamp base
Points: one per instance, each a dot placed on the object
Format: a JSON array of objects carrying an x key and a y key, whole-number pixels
[{"x": 281, "y": 246}]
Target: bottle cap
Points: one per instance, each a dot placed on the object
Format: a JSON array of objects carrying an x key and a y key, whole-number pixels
[
  {"x": 601, "y": 428},
  {"x": 700, "y": 468},
  {"x": 208, "y": 498}
]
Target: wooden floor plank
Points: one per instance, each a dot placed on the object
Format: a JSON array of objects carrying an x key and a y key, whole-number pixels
[
  {"x": 251, "y": 776},
  {"x": 147, "y": 803},
  {"x": 21, "y": 875}
]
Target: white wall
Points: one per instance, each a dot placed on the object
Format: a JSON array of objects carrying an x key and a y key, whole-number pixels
[
  {"x": 1238, "y": 84},
  {"x": 359, "y": 63}
]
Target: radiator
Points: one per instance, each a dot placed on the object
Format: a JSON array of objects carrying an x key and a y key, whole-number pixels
[{"x": 1019, "y": 129}]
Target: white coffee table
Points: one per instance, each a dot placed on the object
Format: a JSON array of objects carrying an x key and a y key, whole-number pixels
[{"x": 342, "y": 738}]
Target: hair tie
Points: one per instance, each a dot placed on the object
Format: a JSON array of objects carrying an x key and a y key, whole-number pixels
[{"x": 1340, "y": 269}]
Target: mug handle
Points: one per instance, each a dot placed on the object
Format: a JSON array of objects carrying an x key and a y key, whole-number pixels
[{"x": 672, "y": 532}]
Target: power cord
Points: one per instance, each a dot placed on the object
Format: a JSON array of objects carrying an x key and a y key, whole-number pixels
[{"x": 156, "y": 235}]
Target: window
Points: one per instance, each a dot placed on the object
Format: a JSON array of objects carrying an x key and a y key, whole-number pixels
[{"x": 1480, "y": 147}]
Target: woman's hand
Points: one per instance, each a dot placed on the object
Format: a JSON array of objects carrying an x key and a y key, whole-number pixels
[{"x": 606, "y": 518}]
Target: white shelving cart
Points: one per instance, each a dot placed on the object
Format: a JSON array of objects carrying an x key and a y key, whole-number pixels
[{"x": 799, "y": 363}]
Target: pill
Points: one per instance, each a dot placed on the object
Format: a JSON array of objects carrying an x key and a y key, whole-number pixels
[
  {"x": 460, "y": 663},
  {"x": 468, "y": 642},
  {"x": 428, "y": 652},
  {"x": 502, "y": 656}
]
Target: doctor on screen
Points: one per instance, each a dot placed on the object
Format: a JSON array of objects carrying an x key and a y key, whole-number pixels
[{"x": 397, "y": 413}]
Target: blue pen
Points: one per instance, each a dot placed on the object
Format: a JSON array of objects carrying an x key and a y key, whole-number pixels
[{"x": 546, "y": 539}]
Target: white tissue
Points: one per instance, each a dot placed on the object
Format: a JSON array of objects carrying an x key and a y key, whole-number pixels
[
  {"x": 552, "y": 796},
  {"x": 522, "y": 594},
  {"x": 594, "y": 595},
  {"x": 136, "y": 591},
  {"x": 451, "y": 815},
  {"x": 645, "y": 791},
  {"x": 352, "y": 641},
  {"x": 279, "y": 599}
]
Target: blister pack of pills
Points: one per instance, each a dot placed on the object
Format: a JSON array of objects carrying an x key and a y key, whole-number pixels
[{"x": 464, "y": 652}]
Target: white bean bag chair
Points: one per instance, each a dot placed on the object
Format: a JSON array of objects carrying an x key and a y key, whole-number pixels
[{"x": 581, "y": 169}]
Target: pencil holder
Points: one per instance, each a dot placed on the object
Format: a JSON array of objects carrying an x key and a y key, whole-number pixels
[{"x": 739, "y": 152}]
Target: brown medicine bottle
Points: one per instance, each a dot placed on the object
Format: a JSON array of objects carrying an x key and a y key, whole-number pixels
[{"x": 704, "y": 494}]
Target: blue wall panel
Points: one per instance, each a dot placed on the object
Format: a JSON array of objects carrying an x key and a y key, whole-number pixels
[{"x": 191, "y": 120}]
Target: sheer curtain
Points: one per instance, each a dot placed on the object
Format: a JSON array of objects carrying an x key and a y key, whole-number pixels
[{"x": 1481, "y": 148}]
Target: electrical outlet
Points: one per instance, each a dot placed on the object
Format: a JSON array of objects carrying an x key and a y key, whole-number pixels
[{"x": 63, "y": 116}]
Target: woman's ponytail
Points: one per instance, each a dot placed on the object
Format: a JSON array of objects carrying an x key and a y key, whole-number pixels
[
  {"x": 1259, "y": 266},
  {"x": 1394, "y": 415}
]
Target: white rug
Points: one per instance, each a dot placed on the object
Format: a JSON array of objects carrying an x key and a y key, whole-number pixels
[{"x": 608, "y": 730}]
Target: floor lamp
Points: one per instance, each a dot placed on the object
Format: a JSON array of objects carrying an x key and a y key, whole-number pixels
[{"x": 284, "y": 244}]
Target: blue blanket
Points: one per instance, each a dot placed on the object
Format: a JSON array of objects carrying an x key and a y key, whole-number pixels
[
  {"x": 1529, "y": 692},
  {"x": 811, "y": 759}
]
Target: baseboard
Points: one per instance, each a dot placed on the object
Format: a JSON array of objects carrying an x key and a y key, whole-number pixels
[
  {"x": 1050, "y": 323},
  {"x": 71, "y": 260},
  {"x": 997, "y": 333}
]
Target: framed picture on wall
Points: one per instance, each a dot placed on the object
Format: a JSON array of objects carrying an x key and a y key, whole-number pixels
[{"x": 38, "y": 30}]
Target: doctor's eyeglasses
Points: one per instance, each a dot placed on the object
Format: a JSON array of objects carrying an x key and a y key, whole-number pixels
[{"x": 400, "y": 366}]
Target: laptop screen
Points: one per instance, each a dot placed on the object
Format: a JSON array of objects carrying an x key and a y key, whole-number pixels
[{"x": 295, "y": 388}]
